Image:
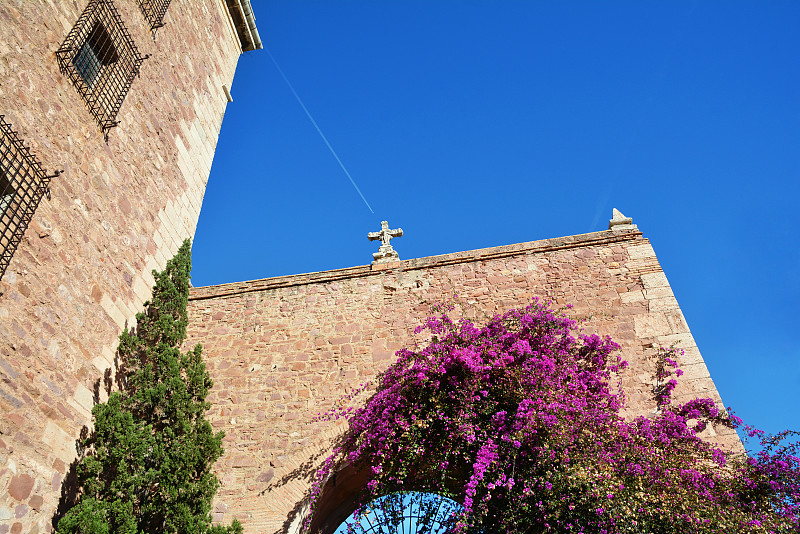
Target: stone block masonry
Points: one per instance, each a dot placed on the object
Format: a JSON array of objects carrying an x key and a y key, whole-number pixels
[
  {"x": 282, "y": 350},
  {"x": 120, "y": 210}
]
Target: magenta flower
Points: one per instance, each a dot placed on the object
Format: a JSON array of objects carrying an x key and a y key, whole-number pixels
[{"x": 521, "y": 421}]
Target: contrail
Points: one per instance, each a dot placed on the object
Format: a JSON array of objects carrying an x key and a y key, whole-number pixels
[
  {"x": 627, "y": 148},
  {"x": 319, "y": 131}
]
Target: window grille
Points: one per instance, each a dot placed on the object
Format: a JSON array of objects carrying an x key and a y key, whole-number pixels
[
  {"x": 101, "y": 60},
  {"x": 23, "y": 183},
  {"x": 412, "y": 512},
  {"x": 154, "y": 11}
]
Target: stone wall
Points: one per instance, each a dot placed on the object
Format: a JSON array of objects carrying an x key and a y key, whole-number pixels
[
  {"x": 283, "y": 350},
  {"x": 120, "y": 209}
]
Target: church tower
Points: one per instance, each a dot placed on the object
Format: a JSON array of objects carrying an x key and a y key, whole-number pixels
[{"x": 110, "y": 112}]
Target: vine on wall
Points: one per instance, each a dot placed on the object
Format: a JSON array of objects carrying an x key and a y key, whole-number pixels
[{"x": 520, "y": 420}]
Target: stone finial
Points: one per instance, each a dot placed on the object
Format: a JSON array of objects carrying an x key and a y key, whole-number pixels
[
  {"x": 620, "y": 222},
  {"x": 385, "y": 252}
]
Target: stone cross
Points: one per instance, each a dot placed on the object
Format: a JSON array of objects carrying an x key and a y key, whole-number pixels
[{"x": 385, "y": 252}]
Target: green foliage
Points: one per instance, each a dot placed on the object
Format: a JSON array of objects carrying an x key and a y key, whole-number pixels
[{"x": 148, "y": 462}]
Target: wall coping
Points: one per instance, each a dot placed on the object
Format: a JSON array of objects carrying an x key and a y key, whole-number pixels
[{"x": 469, "y": 256}]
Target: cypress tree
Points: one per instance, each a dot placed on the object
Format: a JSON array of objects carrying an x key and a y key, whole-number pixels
[{"x": 147, "y": 467}]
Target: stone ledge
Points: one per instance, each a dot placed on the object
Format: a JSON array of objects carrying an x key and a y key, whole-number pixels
[{"x": 535, "y": 247}]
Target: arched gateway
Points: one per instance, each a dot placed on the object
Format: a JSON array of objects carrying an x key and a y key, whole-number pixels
[
  {"x": 411, "y": 512},
  {"x": 283, "y": 350},
  {"x": 414, "y": 511}
]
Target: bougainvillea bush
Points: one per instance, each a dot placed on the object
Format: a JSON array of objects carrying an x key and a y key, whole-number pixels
[{"x": 521, "y": 421}]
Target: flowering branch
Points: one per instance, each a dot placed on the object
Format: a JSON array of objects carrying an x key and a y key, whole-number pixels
[{"x": 518, "y": 421}]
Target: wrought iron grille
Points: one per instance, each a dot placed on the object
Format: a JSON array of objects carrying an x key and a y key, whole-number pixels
[
  {"x": 23, "y": 183},
  {"x": 101, "y": 60},
  {"x": 154, "y": 11},
  {"x": 408, "y": 512}
]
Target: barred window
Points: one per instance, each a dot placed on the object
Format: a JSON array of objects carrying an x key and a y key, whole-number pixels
[
  {"x": 96, "y": 52},
  {"x": 154, "y": 11},
  {"x": 23, "y": 183},
  {"x": 101, "y": 60},
  {"x": 7, "y": 191}
]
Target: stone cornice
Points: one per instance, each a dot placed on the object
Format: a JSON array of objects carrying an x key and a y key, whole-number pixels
[{"x": 530, "y": 247}]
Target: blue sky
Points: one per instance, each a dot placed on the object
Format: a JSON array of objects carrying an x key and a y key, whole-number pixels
[{"x": 472, "y": 124}]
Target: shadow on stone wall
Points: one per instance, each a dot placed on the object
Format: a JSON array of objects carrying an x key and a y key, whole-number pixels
[
  {"x": 70, "y": 487},
  {"x": 305, "y": 472},
  {"x": 293, "y": 518}
]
